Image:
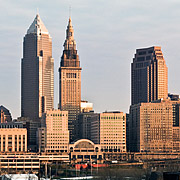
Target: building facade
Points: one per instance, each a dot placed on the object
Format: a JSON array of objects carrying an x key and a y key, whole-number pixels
[
  {"x": 108, "y": 129},
  {"x": 13, "y": 137},
  {"x": 149, "y": 76},
  {"x": 85, "y": 123},
  {"x": 154, "y": 127},
  {"x": 32, "y": 127},
  {"x": 113, "y": 131},
  {"x": 70, "y": 82},
  {"x": 37, "y": 71},
  {"x": 53, "y": 135},
  {"x": 85, "y": 150}
]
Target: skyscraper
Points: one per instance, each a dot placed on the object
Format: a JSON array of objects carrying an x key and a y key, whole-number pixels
[
  {"x": 149, "y": 76},
  {"x": 70, "y": 81},
  {"x": 37, "y": 71}
]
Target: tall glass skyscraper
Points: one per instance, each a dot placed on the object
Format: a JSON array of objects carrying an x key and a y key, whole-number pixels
[{"x": 37, "y": 71}]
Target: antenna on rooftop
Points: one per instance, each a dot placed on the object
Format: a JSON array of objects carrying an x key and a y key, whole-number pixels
[
  {"x": 69, "y": 10},
  {"x": 37, "y": 10}
]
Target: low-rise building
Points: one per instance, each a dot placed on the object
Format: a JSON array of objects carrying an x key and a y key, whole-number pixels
[
  {"x": 13, "y": 137},
  {"x": 85, "y": 150}
]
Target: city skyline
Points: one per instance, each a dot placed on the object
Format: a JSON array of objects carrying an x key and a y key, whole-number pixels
[{"x": 104, "y": 50}]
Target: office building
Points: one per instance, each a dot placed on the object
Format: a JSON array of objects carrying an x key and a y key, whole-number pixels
[
  {"x": 113, "y": 131},
  {"x": 149, "y": 76},
  {"x": 70, "y": 82},
  {"x": 154, "y": 126},
  {"x": 5, "y": 115},
  {"x": 32, "y": 128},
  {"x": 13, "y": 137},
  {"x": 85, "y": 121},
  {"x": 110, "y": 131},
  {"x": 37, "y": 71},
  {"x": 53, "y": 135}
]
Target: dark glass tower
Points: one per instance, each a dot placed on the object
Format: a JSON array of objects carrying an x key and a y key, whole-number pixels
[{"x": 149, "y": 76}]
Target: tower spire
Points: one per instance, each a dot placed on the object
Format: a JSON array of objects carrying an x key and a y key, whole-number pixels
[
  {"x": 70, "y": 43},
  {"x": 70, "y": 81}
]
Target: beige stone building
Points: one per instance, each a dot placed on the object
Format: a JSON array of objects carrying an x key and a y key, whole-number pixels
[
  {"x": 37, "y": 71},
  {"x": 54, "y": 135},
  {"x": 113, "y": 131},
  {"x": 70, "y": 82},
  {"x": 85, "y": 150},
  {"x": 154, "y": 127},
  {"x": 149, "y": 76},
  {"x": 109, "y": 130},
  {"x": 13, "y": 140}
]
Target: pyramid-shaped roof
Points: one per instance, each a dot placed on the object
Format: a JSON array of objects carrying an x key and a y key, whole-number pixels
[{"x": 37, "y": 26}]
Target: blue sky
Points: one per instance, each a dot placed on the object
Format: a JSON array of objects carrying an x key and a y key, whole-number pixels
[{"x": 107, "y": 34}]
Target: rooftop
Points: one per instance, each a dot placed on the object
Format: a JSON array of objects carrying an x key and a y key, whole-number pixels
[{"x": 37, "y": 27}]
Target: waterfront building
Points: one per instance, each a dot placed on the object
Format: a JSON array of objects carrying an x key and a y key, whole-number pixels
[
  {"x": 37, "y": 71},
  {"x": 16, "y": 163},
  {"x": 85, "y": 150},
  {"x": 13, "y": 137},
  {"x": 53, "y": 135},
  {"x": 70, "y": 82},
  {"x": 155, "y": 127},
  {"x": 5, "y": 115},
  {"x": 149, "y": 76}
]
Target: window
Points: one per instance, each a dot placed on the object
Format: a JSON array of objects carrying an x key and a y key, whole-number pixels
[{"x": 41, "y": 53}]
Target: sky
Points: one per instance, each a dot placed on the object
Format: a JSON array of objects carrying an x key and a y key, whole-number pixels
[{"x": 107, "y": 33}]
